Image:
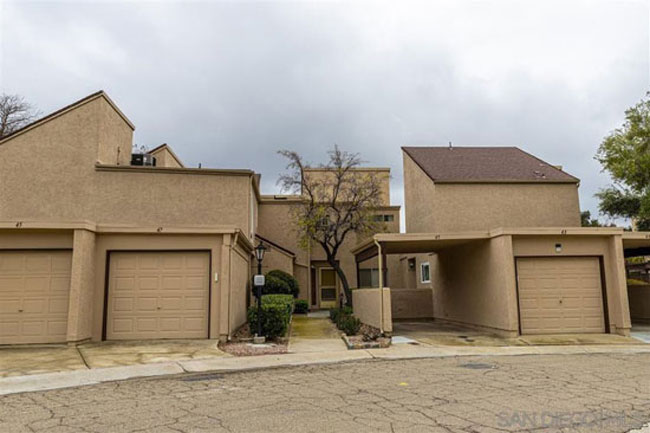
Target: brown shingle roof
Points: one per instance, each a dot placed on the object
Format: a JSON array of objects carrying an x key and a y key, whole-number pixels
[{"x": 485, "y": 164}]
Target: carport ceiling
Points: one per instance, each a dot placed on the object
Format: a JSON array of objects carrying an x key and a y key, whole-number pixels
[
  {"x": 395, "y": 243},
  {"x": 636, "y": 244}
]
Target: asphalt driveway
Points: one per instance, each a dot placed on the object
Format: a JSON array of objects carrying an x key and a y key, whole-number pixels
[{"x": 586, "y": 393}]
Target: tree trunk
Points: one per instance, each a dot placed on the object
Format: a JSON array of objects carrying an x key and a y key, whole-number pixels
[{"x": 344, "y": 280}]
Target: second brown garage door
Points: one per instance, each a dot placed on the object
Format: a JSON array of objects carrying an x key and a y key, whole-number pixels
[
  {"x": 155, "y": 295},
  {"x": 560, "y": 295}
]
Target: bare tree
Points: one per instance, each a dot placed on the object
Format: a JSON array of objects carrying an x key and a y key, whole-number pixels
[
  {"x": 15, "y": 113},
  {"x": 337, "y": 203}
]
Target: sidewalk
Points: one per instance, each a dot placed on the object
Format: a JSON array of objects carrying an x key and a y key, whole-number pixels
[{"x": 38, "y": 382}]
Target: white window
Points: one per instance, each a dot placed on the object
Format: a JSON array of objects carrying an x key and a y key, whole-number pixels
[{"x": 425, "y": 272}]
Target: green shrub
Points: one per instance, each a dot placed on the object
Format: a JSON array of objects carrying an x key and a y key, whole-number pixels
[
  {"x": 289, "y": 279},
  {"x": 349, "y": 324},
  {"x": 301, "y": 306},
  {"x": 334, "y": 314},
  {"x": 274, "y": 286},
  {"x": 275, "y": 319},
  {"x": 284, "y": 300},
  {"x": 337, "y": 313}
]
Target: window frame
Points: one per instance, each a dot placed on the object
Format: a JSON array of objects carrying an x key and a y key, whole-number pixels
[{"x": 422, "y": 265}]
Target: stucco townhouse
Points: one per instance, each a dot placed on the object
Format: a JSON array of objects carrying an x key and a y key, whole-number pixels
[
  {"x": 493, "y": 242},
  {"x": 95, "y": 245},
  {"x": 99, "y": 244}
]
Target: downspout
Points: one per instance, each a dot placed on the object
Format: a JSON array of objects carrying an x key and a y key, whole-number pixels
[
  {"x": 232, "y": 246},
  {"x": 381, "y": 286}
]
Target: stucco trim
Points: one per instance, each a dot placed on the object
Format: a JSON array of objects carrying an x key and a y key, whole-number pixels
[
  {"x": 174, "y": 170},
  {"x": 427, "y": 238}
]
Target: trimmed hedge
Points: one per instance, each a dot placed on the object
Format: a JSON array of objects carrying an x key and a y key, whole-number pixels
[
  {"x": 289, "y": 279},
  {"x": 301, "y": 306},
  {"x": 285, "y": 300},
  {"x": 276, "y": 315}
]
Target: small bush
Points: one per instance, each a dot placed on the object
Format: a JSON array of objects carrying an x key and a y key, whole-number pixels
[
  {"x": 301, "y": 306},
  {"x": 285, "y": 300},
  {"x": 275, "y": 319},
  {"x": 349, "y": 324},
  {"x": 336, "y": 314},
  {"x": 289, "y": 279}
]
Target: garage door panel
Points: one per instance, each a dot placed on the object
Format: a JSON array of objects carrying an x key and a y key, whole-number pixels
[
  {"x": 34, "y": 296},
  {"x": 167, "y": 295},
  {"x": 560, "y": 295},
  {"x": 146, "y": 304}
]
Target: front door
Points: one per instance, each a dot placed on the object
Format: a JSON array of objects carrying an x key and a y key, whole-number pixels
[{"x": 327, "y": 292}]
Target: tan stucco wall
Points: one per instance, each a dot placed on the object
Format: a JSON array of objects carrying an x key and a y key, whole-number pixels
[
  {"x": 447, "y": 207},
  {"x": 115, "y": 136},
  {"x": 639, "y": 297},
  {"x": 367, "y": 306},
  {"x": 275, "y": 223},
  {"x": 275, "y": 259},
  {"x": 411, "y": 303},
  {"x": 240, "y": 286},
  {"x": 419, "y": 193},
  {"x": 29, "y": 239},
  {"x": 610, "y": 248},
  {"x": 81, "y": 286},
  {"x": 164, "y": 158},
  {"x": 474, "y": 284},
  {"x": 57, "y": 160}
]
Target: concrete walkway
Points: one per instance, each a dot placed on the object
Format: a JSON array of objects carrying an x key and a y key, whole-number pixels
[
  {"x": 314, "y": 334},
  {"x": 25, "y": 360},
  {"x": 36, "y": 382}
]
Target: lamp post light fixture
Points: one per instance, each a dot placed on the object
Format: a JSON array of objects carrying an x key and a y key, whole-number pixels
[{"x": 260, "y": 249}]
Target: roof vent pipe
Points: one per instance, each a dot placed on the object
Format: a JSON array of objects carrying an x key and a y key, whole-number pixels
[{"x": 450, "y": 146}]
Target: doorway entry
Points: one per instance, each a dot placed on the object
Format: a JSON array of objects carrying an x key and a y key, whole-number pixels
[{"x": 327, "y": 288}]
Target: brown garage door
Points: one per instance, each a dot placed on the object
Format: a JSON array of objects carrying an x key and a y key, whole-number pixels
[
  {"x": 158, "y": 295},
  {"x": 34, "y": 293},
  {"x": 560, "y": 295}
]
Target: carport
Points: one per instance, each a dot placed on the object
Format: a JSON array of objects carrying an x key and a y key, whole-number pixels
[
  {"x": 510, "y": 282},
  {"x": 637, "y": 244}
]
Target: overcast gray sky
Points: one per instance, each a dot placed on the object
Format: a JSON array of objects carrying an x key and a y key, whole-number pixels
[{"x": 227, "y": 84}]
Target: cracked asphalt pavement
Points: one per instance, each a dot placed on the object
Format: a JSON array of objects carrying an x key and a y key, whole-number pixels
[{"x": 590, "y": 393}]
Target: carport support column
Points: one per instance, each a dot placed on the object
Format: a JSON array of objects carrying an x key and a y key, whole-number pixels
[
  {"x": 82, "y": 277},
  {"x": 380, "y": 262},
  {"x": 617, "y": 298},
  {"x": 224, "y": 292}
]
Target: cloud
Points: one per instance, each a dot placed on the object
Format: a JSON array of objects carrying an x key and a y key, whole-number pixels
[{"x": 227, "y": 84}]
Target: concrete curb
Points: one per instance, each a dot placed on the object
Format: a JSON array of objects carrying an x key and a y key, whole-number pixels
[{"x": 68, "y": 379}]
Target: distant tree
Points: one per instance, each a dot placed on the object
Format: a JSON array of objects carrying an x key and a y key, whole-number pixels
[
  {"x": 15, "y": 113},
  {"x": 625, "y": 155},
  {"x": 587, "y": 221},
  {"x": 335, "y": 205}
]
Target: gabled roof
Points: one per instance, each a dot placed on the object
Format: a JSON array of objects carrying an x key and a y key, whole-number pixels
[
  {"x": 485, "y": 165},
  {"x": 165, "y": 146},
  {"x": 59, "y": 112}
]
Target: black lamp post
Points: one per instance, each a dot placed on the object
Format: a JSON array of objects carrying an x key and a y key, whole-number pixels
[{"x": 259, "y": 255}]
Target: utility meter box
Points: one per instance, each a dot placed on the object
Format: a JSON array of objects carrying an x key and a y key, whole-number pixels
[{"x": 258, "y": 280}]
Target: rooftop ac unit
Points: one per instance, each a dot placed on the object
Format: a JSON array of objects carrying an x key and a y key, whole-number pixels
[{"x": 143, "y": 159}]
